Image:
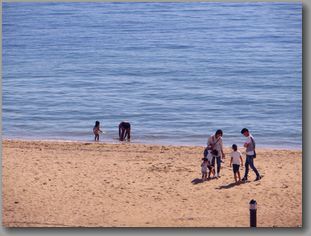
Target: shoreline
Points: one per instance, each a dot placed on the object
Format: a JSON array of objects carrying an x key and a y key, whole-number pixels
[
  {"x": 85, "y": 184},
  {"x": 141, "y": 143}
]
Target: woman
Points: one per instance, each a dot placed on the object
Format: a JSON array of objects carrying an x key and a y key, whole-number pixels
[{"x": 214, "y": 142}]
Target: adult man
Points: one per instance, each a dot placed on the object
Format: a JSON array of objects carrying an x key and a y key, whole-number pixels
[
  {"x": 250, "y": 154},
  {"x": 214, "y": 142},
  {"x": 124, "y": 131}
]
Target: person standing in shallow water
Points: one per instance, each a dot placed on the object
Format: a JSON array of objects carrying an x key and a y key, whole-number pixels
[
  {"x": 96, "y": 130},
  {"x": 250, "y": 154},
  {"x": 214, "y": 142},
  {"x": 124, "y": 131}
]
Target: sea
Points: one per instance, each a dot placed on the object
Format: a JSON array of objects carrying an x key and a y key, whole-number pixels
[{"x": 176, "y": 71}]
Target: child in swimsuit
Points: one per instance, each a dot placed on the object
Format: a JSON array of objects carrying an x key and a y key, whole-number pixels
[{"x": 97, "y": 130}]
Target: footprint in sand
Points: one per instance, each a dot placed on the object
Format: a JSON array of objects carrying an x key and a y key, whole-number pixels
[{"x": 285, "y": 186}]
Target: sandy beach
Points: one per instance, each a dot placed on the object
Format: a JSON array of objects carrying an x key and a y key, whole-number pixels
[{"x": 81, "y": 184}]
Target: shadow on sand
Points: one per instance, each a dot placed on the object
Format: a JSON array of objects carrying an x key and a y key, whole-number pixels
[
  {"x": 232, "y": 185},
  {"x": 199, "y": 181}
]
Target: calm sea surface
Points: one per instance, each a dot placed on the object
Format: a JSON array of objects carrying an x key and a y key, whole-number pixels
[{"x": 176, "y": 71}]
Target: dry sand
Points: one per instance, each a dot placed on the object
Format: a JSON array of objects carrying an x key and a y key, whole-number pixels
[{"x": 76, "y": 184}]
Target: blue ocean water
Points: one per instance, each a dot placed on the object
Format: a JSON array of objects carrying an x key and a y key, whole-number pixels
[{"x": 176, "y": 71}]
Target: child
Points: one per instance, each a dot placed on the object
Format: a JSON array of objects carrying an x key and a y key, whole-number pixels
[
  {"x": 204, "y": 168},
  {"x": 211, "y": 165},
  {"x": 236, "y": 161},
  {"x": 96, "y": 130},
  {"x": 211, "y": 158}
]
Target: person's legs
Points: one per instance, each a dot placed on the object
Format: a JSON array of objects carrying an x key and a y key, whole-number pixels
[
  {"x": 213, "y": 161},
  {"x": 239, "y": 176},
  {"x": 125, "y": 134},
  {"x": 251, "y": 164},
  {"x": 246, "y": 168},
  {"x": 213, "y": 171},
  {"x": 209, "y": 172},
  {"x": 235, "y": 170},
  {"x": 218, "y": 165},
  {"x": 122, "y": 134},
  {"x": 129, "y": 133},
  {"x": 235, "y": 179}
]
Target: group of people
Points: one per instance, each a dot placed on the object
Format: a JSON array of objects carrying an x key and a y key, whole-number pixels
[
  {"x": 213, "y": 154},
  {"x": 124, "y": 131}
]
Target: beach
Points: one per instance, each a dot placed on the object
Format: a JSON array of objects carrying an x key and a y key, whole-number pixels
[{"x": 88, "y": 184}]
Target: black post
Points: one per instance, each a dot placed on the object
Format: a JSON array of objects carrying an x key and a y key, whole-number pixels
[{"x": 253, "y": 213}]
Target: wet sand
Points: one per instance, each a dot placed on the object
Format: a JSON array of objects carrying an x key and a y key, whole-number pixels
[{"x": 77, "y": 184}]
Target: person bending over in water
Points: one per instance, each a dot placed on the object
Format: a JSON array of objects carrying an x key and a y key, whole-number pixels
[
  {"x": 96, "y": 130},
  {"x": 124, "y": 131}
]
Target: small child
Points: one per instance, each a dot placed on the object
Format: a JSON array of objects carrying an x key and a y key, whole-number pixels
[
  {"x": 96, "y": 130},
  {"x": 235, "y": 162},
  {"x": 211, "y": 158},
  {"x": 208, "y": 154},
  {"x": 204, "y": 168}
]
